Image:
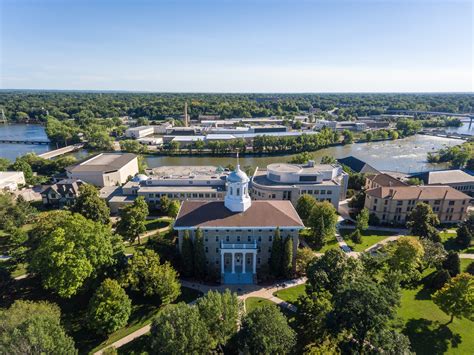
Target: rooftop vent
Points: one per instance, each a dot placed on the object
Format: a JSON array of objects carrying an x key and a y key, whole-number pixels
[{"x": 311, "y": 163}]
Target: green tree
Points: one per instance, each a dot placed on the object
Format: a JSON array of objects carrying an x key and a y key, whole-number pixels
[
  {"x": 364, "y": 308},
  {"x": 464, "y": 236},
  {"x": 132, "y": 220},
  {"x": 301, "y": 158},
  {"x": 393, "y": 135},
  {"x": 348, "y": 137},
  {"x": 456, "y": 298},
  {"x": 109, "y": 308},
  {"x": 362, "y": 220},
  {"x": 322, "y": 220},
  {"x": 304, "y": 205},
  {"x": 178, "y": 329},
  {"x": 369, "y": 136},
  {"x": 90, "y": 205},
  {"x": 220, "y": 312},
  {"x": 304, "y": 256},
  {"x": 327, "y": 159},
  {"x": 145, "y": 273},
  {"x": 173, "y": 209},
  {"x": 165, "y": 203},
  {"x": 434, "y": 254},
  {"x": 265, "y": 330},
  {"x": 277, "y": 254},
  {"x": 405, "y": 256},
  {"x": 287, "y": 258},
  {"x": 452, "y": 263},
  {"x": 33, "y": 328},
  {"x": 4, "y": 164},
  {"x": 187, "y": 254},
  {"x": 422, "y": 222},
  {"x": 70, "y": 249},
  {"x": 22, "y": 165},
  {"x": 199, "y": 255},
  {"x": 356, "y": 236}
]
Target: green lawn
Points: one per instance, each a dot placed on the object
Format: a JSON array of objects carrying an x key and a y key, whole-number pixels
[
  {"x": 158, "y": 223},
  {"x": 465, "y": 263},
  {"x": 425, "y": 325},
  {"x": 330, "y": 244},
  {"x": 449, "y": 242},
  {"x": 291, "y": 294},
  {"x": 369, "y": 238},
  {"x": 252, "y": 303}
]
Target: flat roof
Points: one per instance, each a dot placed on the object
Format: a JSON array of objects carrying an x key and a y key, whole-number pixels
[
  {"x": 295, "y": 168},
  {"x": 103, "y": 162},
  {"x": 449, "y": 177},
  {"x": 260, "y": 178},
  {"x": 186, "y": 172},
  {"x": 418, "y": 193},
  {"x": 260, "y": 214}
]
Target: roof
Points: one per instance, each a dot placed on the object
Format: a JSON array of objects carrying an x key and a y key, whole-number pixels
[
  {"x": 385, "y": 180},
  {"x": 418, "y": 193},
  {"x": 65, "y": 186},
  {"x": 238, "y": 176},
  {"x": 260, "y": 214},
  {"x": 445, "y": 177},
  {"x": 104, "y": 162},
  {"x": 357, "y": 165}
]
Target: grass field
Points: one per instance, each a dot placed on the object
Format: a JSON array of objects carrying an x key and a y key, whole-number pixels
[
  {"x": 291, "y": 294},
  {"x": 369, "y": 238},
  {"x": 449, "y": 242},
  {"x": 152, "y": 224},
  {"x": 465, "y": 263},
  {"x": 330, "y": 244},
  {"x": 252, "y": 303},
  {"x": 425, "y": 325}
]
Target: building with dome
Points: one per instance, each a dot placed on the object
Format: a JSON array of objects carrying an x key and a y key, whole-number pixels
[{"x": 238, "y": 232}]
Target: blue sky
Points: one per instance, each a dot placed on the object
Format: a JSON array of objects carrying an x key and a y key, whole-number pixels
[{"x": 238, "y": 46}]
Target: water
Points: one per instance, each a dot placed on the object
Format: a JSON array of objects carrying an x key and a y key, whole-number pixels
[
  {"x": 404, "y": 155},
  {"x": 22, "y": 131},
  {"x": 466, "y": 128}
]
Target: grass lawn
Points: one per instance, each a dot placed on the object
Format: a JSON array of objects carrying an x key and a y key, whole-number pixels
[
  {"x": 252, "y": 303},
  {"x": 449, "y": 242},
  {"x": 425, "y": 325},
  {"x": 330, "y": 244},
  {"x": 158, "y": 223},
  {"x": 369, "y": 238},
  {"x": 291, "y": 294},
  {"x": 465, "y": 263}
]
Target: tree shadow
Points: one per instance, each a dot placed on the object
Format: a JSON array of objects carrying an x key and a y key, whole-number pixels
[{"x": 428, "y": 337}]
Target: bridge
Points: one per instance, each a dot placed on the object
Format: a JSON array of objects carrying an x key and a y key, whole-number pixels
[
  {"x": 23, "y": 141},
  {"x": 469, "y": 116},
  {"x": 57, "y": 152},
  {"x": 444, "y": 134}
]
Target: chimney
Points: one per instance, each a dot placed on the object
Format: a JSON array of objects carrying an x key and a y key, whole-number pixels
[{"x": 311, "y": 163}]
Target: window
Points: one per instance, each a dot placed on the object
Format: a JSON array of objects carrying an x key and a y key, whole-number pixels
[
  {"x": 375, "y": 201},
  {"x": 451, "y": 203},
  {"x": 323, "y": 192},
  {"x": 309, "y": 178},
  {"x": 386, "y": 202},
  {"x": 217, "y": 238},
  {"x": 270, "y": 238},
  {"x": 437, "y": 202},
  {"x": 374, "y": 208},
  {"x": 207, "y": 249},
  {"x": 399, "y": 203},
  {"x": 217, "y": 250},
  {"x": 238, "y": 192},
  {"x": 383, "y": 217},
  {"x": 249, "y": 238},
  {"x": 329, "y": 192},
  {"x": 231, "y": 190},
  {"x": 227, "y": 238},
  {"x": 238, "y": 238}
]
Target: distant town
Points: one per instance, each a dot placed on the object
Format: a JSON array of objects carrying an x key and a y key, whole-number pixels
[{"x": 256, "y": 240}]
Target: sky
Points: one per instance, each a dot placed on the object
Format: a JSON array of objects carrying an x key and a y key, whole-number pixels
[{"x": 238, "y": 46}]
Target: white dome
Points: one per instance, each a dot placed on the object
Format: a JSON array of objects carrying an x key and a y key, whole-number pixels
[
  {"x": 238, "y": 176},
  {"x": 140, "y": 178}
]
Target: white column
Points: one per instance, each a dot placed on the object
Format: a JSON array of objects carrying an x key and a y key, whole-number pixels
[
  {"x": 222, "y": 262},
  {"x": 254, "y": 262},
  {"x": 245, "y": 261},
  {"x": 233, "y": 262}
]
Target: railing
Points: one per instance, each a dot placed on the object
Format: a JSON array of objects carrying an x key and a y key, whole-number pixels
[{"x": 239, "y": 245}]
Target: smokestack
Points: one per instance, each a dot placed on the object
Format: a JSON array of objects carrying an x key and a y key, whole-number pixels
[{"x": 185, "y": 114}]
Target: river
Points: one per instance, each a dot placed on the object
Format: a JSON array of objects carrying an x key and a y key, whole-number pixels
[{"x": 404, "y": 155}]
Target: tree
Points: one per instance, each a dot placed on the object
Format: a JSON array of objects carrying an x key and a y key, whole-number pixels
[
  {"x": 187, "y": 254},
  {"x": 144, "y": 273},
  {"x": 90, "y": 205},
  {"x": 434, "y": 253},
  {"x": 164, "y": 204},
  {"x": 362, "y": 220},
  {"x": 109, "y": 308},
  {"x": 348, "y": 137},
  {"x": 463, "y": 236},
  {"x": 303, "y": 258},
  {"x": 68, "y": 249},
  {"x": 356, "y": 236},
  {"x": 422, "y": 222},
  {"x": 369, "y": 136},
  {"x": 132, "y": 220},
  {"x": 220, "y": 312},
  {"x": 363, "y": 308},
  {"x": 452, "y": 263},
  {"x": 173, "y": 209},
  {"x": 33, "y": 328},
  {"x": 301, "y": 158},
  {"x": 405, "y": 256},
  {"x": 4, "y": 164},
  {"x": 287, "y": 258},
  {"x": 178, "y": 329},
  {"x": 199, "y": 254},
  {"x": 439, "y": 278},
  {"x": 265, "y": 330},
  {"x": 304, "y": 205},
  {"x": 393, "y": 135},
  {"x": 277, "y": 254},
  {"x": 322, "y": 220},
  {"x": 327, "y": 159},
  {"x": 22, "y": 165},
  {"x": 456, "y": 298}
]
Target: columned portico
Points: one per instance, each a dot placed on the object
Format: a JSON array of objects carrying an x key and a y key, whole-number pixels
[{"x": 238, "y": 262}]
